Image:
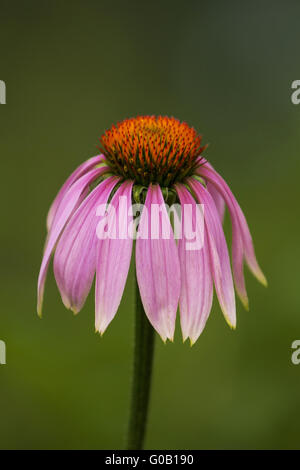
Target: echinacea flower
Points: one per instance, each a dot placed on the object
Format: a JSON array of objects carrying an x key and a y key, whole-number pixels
[{"x": 148, "y": 159}]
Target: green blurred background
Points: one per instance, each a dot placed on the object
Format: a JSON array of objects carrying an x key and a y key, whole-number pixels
[{"x": 72, "y": 69}]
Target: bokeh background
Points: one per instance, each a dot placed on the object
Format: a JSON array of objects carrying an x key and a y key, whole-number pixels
[{"x": 72, "y": 69}]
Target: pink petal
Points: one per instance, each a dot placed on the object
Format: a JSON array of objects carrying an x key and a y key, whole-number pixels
[
  {"x": 68, "y": 204},
  {"x": 196, "y": 280},
  {"x": 81, "y": 170},
  {"x": 157, "y": 267},
  {"x": 220, "y": 264},
  {"x": 237, "y": 248},
  {"x": 113, "y": 259},
  {"x": 242, "y": 244},
  {"x": 238, "y": 268},
  {"x": 75, "y": 255},
  {"x": 219, "y": 201}
]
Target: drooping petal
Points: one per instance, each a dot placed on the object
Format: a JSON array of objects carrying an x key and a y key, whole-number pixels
[
  {"x": 113, "y": 258},
  {"x": 196, "y": 280},
  {"x": 238, "y": 268},
  {"x": 237, "y": 248},
  {"x": 75, "y": 255},
  {"x": 242, "y": 244},
  {"x": 157, "y": 265},
  {"x": 219, "y": 201},
  {"x": 68, "y": 204},
  {"x": 220, "y": 264},
  {"x": 81, "y": 170}
]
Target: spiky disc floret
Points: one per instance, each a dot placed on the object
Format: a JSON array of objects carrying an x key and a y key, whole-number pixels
[{"x": 152, "y": 149}]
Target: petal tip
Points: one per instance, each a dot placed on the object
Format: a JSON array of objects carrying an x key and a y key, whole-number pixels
[
  {"x": 263, "y": 281},
  {"x": 230, "y": 323},
  {"x": 101, "y": 328},
  {"x": 257, "y": 272},
  {"x": 74, "y": 309},
  {"x": 163, "y": 338},
  {"x": 245, "y": 302},
  {"x": 39, "y": 307},
  {"x": 98, "y": 332},
  {"x": 66, "y": 302}
]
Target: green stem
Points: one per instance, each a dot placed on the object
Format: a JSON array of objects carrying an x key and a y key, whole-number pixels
[{"x": 142, "y": 371}]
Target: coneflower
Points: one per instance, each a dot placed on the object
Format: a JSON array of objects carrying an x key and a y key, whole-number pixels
[{"x": 149, "y": 160}]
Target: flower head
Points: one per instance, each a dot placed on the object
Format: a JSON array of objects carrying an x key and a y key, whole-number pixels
[
  {"x": 150, "y": 149},
  {"x": 156, "y": 156}
]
